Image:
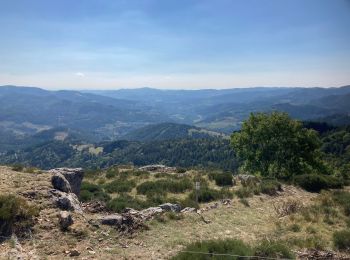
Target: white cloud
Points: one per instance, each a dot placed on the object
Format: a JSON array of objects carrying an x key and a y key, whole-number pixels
[{"x": 79, "y": 74}]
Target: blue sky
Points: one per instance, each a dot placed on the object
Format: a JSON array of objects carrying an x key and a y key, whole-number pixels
[{"x": 182, "y": 44}]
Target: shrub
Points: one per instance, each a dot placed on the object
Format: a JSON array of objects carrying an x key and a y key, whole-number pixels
[
  {"x": 224, "y": 179},
  {"x": 141, "y": 174},
  {"x": 164, "y": 186},
  {"x": 180, "y": 170},
  {"x": 207, "y": 195},
  {"x": 119, "y": 186},
  {"x": 16, "y": 216},
  {"x": 125, "y": 201},
  {"x": 316, "y": 183},
  {"x": 90, "y": 191},
  {"x": 112, "y": 172},
  {"x": 270, "y": 187},
  {"x": 228, "y": 246},
  {"x": 244, "y": 192},
  {"x": 341, "y": 239},
  {"x": 273, "y": 249}
]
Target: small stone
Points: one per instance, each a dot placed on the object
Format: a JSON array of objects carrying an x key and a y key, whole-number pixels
[
  {"x": 65, "y": 219},
  {"x": 74, "y": 253}
]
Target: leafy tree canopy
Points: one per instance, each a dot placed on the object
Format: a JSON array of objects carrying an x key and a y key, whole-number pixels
[{"x": 276, "y": 145}]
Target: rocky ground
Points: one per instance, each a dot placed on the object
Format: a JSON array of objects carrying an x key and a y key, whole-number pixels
[{"x": 92, "y": 233}]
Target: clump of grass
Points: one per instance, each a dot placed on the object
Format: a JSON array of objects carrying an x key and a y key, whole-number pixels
[
  {"x": 174, "y": 216},
  {"x": 341, "y": 239},
  {"x": 342, "y": 198},
  {"x": 207, "y": 248},
  {"x": 90, "y": 191},
  {"x": 270, "y": 187},
  {"x": 141, "y": 174},
  {"x": 244, "y": 192},
  {"x": 16, "y": 216},
  {"x": 245, "y": 202},
  {"x": 125, "y": 201},
  {"x": 273, "y": 249},
  {"x": 119, "y": 186},
  {"x": 164, "y": 186},
  {"x": 207, "y": 195},
  {"x": 295, "y": 227}
]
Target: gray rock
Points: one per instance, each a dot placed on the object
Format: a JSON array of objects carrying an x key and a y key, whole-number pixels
[
  {"x": 170, "y": 207},
  {"x": 66, "y": 201},
  {"x": 150, "y": 212},
  {"x": 59, "y": 182},
  {"x": 112, "y": 220},
  {"x": 65, "y": 220},
  {"x": 74, "y": 176},
  {"x": 188, "y": 210}
]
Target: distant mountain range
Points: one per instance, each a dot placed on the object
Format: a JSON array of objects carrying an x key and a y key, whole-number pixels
[{"x": 140, "y": 114}]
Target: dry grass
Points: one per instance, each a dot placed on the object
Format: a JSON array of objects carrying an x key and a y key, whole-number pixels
[{"x": 163, "y": 239}]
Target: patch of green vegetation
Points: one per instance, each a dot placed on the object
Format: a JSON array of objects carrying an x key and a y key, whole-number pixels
[
  {"x": 125, "y": 201},
  {"x": 221, "y": 179},
  {"x": 207, "y": 195},
  {"x": 245, "y": 202},
  {"x": 164, "y": 186},
  {"x": 342, "y": 198},
  {"x": 119, "y": 186},
  {"x": 234, "y": 249},
  {"x": 206, "y": 250},
  {"x": 16, "y": 216},
  {"x": 90, "y": 191},
  {"x": 295, "y": 227},
  {"x": 17, "y": 167},
  {"x": 273, "y": 249},
  {"x": 341, "y": 239},
  {"x": 317, "y": 182},
  {"x": 270, "y": 187}
]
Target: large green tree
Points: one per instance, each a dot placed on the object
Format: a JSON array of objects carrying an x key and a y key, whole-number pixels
[{"x": 276, "y": 145}]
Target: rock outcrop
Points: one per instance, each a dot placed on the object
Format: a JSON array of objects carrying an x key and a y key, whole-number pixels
[
  {"x": 170, "y": 207},
  {"x": 66, "y": 201},
  {"x": 112, "y": 220},
  {"x": 59, "y": 182},
  {"x": 74, "y": 176},
  {"x": 65, "y": 220}
]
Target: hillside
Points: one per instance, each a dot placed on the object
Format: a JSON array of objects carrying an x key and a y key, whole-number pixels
[
  {"x": 164, "y": 234},
  {"x": 111, "y": 115},
  {"x": 169, "y": 131}
]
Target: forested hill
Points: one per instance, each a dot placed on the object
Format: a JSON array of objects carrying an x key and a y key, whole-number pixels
[{"x": 169, "y": 131}]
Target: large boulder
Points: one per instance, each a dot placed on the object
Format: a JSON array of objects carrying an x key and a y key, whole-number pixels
[
  {"x": 66, "y": 201},
  {"x": 150, "y": 212},
  {"x": 170, "y": 207},
  {"x": 60, "y": 183},
  {"x": 65, "y": 220},
  {"x": 74, "y": 176}
]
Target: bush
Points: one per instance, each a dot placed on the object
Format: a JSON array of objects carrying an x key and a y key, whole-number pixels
[
  {"x": 207, "y": 195},
  {"x": 119, "y": 186},
  {"x": 90, "y": 191},
  {"x": 16, "y": 216},
  {"x": 164, "y": 186},
  {"x": 125, "y": 201},
  {"x": 180, "y": 170},
  {"x": 273, "y": 249},
  {"x": 341, "y": 239},
  {"x": 111, "y": 174},
  {"x": 224, "y": 179},
  {"x": 228, "y": 246},
  {"x": 244, "y": 192},
  {"x": 270, "y": 187},
  {"x": 316, "y": 183}
]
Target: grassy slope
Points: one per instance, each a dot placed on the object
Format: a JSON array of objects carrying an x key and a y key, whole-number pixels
[{"x": 162, "y": 239}]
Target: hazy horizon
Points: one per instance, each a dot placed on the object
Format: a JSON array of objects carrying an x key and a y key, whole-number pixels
[{"x": 174, "y": 44}]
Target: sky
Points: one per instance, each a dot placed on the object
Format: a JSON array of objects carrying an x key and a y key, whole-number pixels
[{"x": 174, "y": 44}]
